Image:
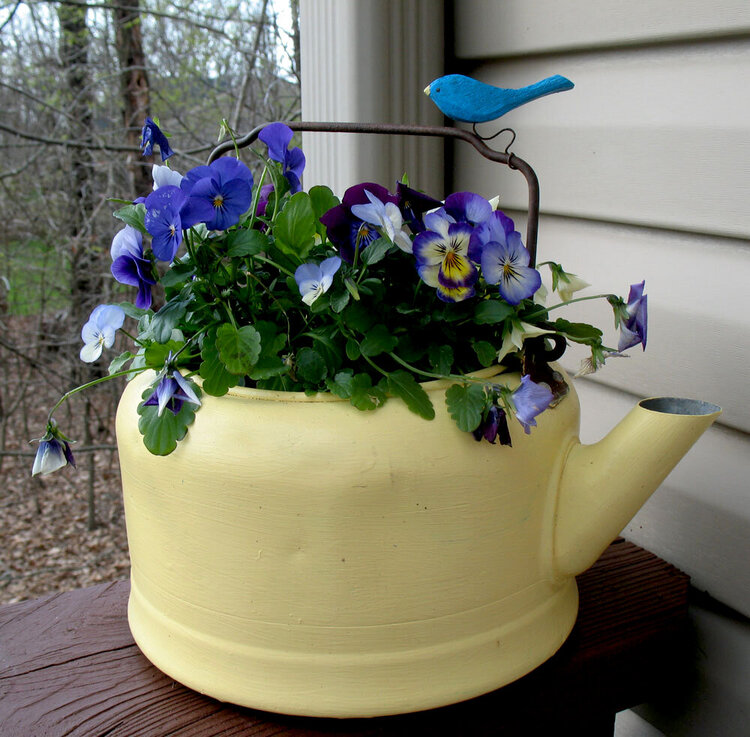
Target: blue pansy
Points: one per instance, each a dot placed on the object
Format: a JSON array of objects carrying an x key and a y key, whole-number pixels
[
  {"x": 314, "y": 280},
  {"x": 164, "y": 221},
  {"x": 507, "y": 265},
  {"x": 99, "y": 332},
  {"x": 152, "y": 135},
  {"x": 634, "y": 327},
  {"x": 129, "y": 266},
  {"x": 53, "y": 452},
  {"x": 277, "y": 137},
  {"x": 172, "y": 391},
  {"x": 530, "y": 400}
]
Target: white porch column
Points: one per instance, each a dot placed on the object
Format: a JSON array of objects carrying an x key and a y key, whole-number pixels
[{"x": 369, "y": 62}]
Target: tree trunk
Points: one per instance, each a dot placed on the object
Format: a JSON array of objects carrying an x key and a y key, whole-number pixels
[{"x": 135, "y": 89}]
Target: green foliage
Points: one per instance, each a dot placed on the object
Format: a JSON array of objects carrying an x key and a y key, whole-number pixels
[
  {"x": 466, "y": 403},
  {"x": 162, "y": 433}
]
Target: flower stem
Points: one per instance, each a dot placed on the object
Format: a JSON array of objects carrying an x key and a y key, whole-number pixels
[
  {"x": 533, "y": 315},
  {"x": 100, "y": 380},
  {"x": 273, "y": 263}
]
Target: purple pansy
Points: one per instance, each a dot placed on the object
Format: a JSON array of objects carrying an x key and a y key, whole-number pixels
[
  {"x": 152, "y": 135},
  {"x": 277, "y": 137},
  {"x": 442, "y": 258},
  {"x": 53, "y": 452},
  {"x": 414, "y": 205},
  {"x": 530, "y": 400},
  {"x": 129, "y": 266},
  {"x": 218, "y": 194},
  {"x": 99, "y": 332},
  {"x": 507, "y": 265},
  {"x": 634, "y": 327},
  {"x": 498, "y": 227},
  {"x": 494, "y": 425},
  {"x": 314, "y": 280},
  {"x": 347, "y": 232},
  {"x": 172, "y": 391}
]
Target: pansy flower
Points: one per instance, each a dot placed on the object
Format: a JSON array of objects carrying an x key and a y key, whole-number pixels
[
  {"x": 505, "y": 262},
  {"x": 633, "y": 327},
  {"x": 494, "y": 425},
  {"x": 530, "y": 400},
  {"x": 218, "y": 194},
  {"x": 152, "y": 135},
  {"x": 163, "y": 176},
  {"x": 277, "y": 137},
  {"x": 172, "y": 391},
  {"x": 414, "y": 205},
  {"x": 53, "y": 452},
  {"x": 314, "y": 280},
  {"x": 164, "y": 220},
  {"x": 129, "y": 266},
  {"x": 386, "y": 217},
  {"x": 99, "y": 332},
  {"x": 467, "y": 207},
  {"x": 443, "y": 259},
  {"x": 346, "y": 231}
]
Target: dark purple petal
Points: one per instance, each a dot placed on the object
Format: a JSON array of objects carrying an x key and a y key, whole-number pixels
[
  {"x": 414, "y": 205},
  {"x": 356, "y": 195}
]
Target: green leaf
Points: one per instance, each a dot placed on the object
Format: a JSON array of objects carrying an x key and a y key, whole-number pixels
[
  {"x": 156, "y": 354},
  {"x": 133, "y": 215},
  {"x": 376, "y": 251},
  {"x": 341, "y": 384},
  {"x": 311, "y": 366},
  {"x": 378, "y": 340},
  {"x": 295, "y": 226},
  {"x": 118, "y": 364},
  {"x": 271, "y": 341},
  {"x": 486, "y": 352},
  {"x": 268, "y": 367},
  {"x": 177, "y": 275},
  {"x": 339, "y": 300},
  {"x": 352, "y": 350},
  {"x": 239, "y": 349},
  {"x": 358, "y": 317},
  {"x": 492, "y": 311},
  {"x": 242, "y": 243},
  {"x": 216, "y": 379},
  {"x": 322, "y": 200},
  {"x": 165, "y": 320},
  {"x": 441, "y": 358},
  {"x": 132, "y": 311},
  {"x": 402, "y": 384},
  {"x": 365, "y": 396},
  {"x": 161, "y": 434},
  {"x": 579, "y": 332},
  {"x": 465, "y": 404}
]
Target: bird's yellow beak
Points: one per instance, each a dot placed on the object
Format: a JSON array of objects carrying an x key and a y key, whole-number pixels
[{"x": 427, "y": 90}]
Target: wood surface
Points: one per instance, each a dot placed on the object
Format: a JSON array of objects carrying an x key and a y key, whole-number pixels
[{"x": 68, "y": 666}]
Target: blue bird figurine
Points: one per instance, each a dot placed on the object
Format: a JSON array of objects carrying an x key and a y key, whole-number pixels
[{"x": 471, "y": 101}]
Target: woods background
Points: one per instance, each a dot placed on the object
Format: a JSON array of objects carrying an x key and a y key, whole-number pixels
[{"x": 78, "y": 79}]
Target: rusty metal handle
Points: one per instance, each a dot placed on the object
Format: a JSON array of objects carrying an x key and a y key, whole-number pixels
[{"x": 390, "y": 129}]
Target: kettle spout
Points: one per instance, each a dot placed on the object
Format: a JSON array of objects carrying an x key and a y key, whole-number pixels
[{"x": 603, "y": 485}]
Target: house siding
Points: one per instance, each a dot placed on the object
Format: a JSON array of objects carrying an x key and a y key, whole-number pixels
[{"x": 644, "y": 174}]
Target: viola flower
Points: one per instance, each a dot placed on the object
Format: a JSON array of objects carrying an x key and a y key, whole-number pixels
[
  {"x": 519, "y": 332},
  {"x": 498, "y": 228},
  {"x": 99, "y": 331},
  {"x": 172, "y": 391},
  {"x": 129, "y": 266},
  {"x": 314, "y": 280},
  {"x": 530, "y": 400},
  {"x": 277, "y": 137},
  {"x": 218, "y": 194},
  {"x": 494, "y": 425},
  {"x": 386, "y": 217},
  {"x": 442, "y": 259},
  {"x": 414, "y": 205},
  {"x": 507, "y": 265},
  {"x": 53, "y": 452},
  {"x": 164, "y": 222},
  {"x": 634, "y": 327},
  {"x": 346, "y": 231},
  {"x": 152, "y": 134}
]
